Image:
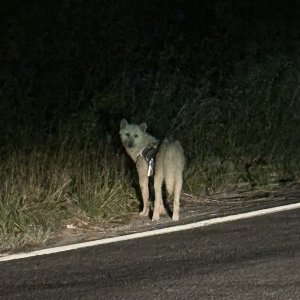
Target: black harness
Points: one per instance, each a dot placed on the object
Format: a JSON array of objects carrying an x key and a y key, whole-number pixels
[{"x": 148, "y": 153}]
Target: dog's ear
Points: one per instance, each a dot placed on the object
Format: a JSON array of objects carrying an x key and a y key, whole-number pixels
[
  {"x": 123, "y": 123},
  {"x": 143, "y": 127}
]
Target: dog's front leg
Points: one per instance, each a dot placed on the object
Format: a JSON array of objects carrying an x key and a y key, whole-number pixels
[
  {"x": 145, "y": 195},
  {"x": 142, "y": 168}
]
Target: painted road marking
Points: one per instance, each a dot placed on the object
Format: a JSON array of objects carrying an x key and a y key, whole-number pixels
[{"x": 139, "y": 235}]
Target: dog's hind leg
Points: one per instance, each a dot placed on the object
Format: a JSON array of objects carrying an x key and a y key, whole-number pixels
[
  {"x": 158, "y": 202},
  {"x": 177, "y": 192}
]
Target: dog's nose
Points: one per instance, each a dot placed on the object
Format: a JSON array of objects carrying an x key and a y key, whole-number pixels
[{"x": 130, "y": 144}]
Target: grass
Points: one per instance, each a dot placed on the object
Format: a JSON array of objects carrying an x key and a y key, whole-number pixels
[
  {"x": 45, "y": 185},
  {"x": 248, "y": 133}
]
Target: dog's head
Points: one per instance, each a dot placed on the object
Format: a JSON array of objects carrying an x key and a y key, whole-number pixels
[{"x": 131, "y": 134}]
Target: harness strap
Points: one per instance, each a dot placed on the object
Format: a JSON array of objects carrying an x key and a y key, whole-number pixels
[{"x": 148, "y": 153}]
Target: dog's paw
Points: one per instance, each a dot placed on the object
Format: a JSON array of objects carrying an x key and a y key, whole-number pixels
[
  {"x": 175, "y": 217},
  {"x": 155, "y": 217},
  {"x": 144, "y": 213}
]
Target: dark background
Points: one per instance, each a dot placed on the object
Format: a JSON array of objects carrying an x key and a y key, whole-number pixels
[{"x": 90, "y": 63}]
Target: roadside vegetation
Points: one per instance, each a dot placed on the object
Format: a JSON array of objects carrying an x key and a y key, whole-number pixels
[
  {"x": 45, "y": 185},
  {"x": 233, "y": 100}
]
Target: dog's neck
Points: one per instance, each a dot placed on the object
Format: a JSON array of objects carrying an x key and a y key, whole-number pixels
[{"x": 134, "y": 152}]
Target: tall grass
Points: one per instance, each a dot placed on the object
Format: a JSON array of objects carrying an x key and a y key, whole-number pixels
[
  {"x": 44, "y": 185},
  {"x": 248, "y": 133}
]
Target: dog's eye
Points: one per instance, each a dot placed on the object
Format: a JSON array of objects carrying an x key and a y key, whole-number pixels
[
  {"x": 127, "y": 134},
  {"x": 135, "y": 135}
]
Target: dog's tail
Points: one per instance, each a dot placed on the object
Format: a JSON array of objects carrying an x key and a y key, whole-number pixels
[
  {"x": 173, "y": 168},
  {"x": 173, "y": 181},
  {"x": 170, "y": 182}
]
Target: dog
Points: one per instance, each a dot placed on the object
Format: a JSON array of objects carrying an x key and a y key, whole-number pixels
[{"x": 164, "y": 160}]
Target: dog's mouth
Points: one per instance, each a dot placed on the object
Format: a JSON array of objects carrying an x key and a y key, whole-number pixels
[{"x": 129, "y": 144}]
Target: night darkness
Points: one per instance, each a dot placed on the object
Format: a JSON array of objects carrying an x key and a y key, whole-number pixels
[
  {"x": 60, "y": 58},
  {"x": 222, "y": 76}
]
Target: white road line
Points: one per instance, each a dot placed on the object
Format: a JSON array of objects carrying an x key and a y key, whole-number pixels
[{"x": 153, "y": 232}]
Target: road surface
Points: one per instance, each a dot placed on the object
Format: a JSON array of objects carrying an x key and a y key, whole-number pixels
[{"x": 257, "y": 258}]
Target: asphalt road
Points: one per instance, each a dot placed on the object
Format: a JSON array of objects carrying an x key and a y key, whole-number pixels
[{"x": 257, "y": 258}]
